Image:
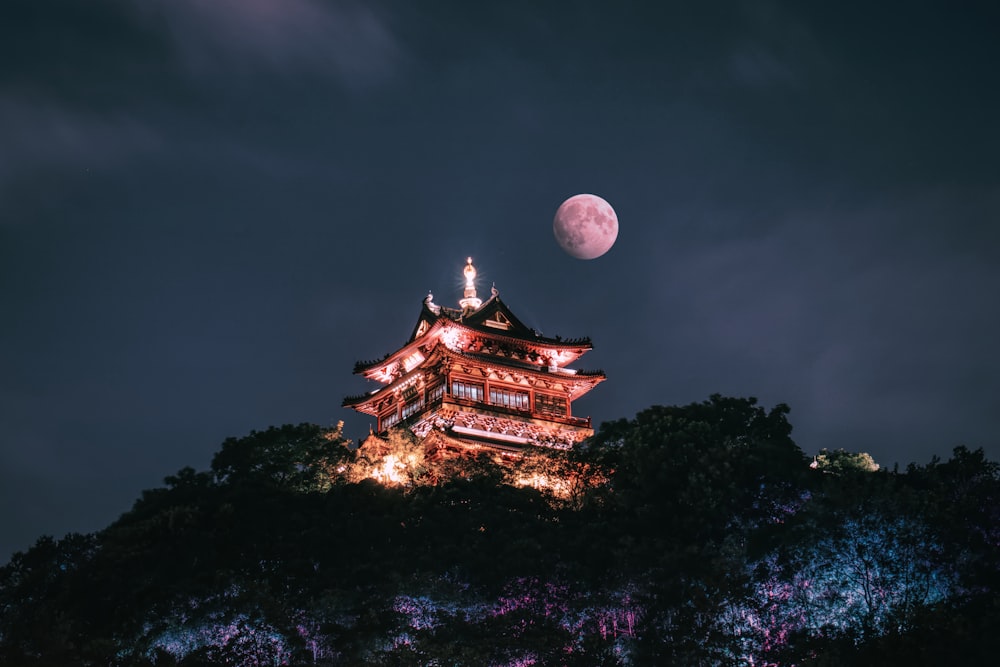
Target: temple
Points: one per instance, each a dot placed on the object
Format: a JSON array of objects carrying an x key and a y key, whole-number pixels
[{"x": 476, "y": 377}]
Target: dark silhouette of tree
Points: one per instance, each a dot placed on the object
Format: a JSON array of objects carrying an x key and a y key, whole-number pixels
[
  {"x": 688, "y": 484},
  {"x": 688, "y": 535},
  {"x": 302, "y": 458}
]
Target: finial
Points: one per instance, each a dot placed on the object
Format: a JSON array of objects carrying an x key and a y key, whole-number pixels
[
  {"x": 494, "y": 291},
  {"x": 470, "y": 276},
  {"x": 470, "y": 301}
]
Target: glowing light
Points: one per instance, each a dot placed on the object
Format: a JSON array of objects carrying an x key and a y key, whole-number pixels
[
  {"x": 385, "y": 374},
  {"x": 470, "y": 300},
  {"x": 453, "y": 339},
  {"x": 558, "y": 486},
  {"x": 391, "y": 471}
]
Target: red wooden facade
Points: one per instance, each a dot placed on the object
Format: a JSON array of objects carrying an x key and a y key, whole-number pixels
[{"x": 478, "y": 375}]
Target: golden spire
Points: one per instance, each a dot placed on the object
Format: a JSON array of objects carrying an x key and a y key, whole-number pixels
[{"x": 470, "y": 302}]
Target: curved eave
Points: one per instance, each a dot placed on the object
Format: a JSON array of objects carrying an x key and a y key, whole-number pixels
[
  {"x": 579, "y": 382},
  {"x": 529, "y": 334},
  {"x": 585, "y": 382},
  {"x": 360, "y": 401},
  {"x": 576, "y": 347},
  {"x": 372, "y": 370},
  {"x": 362, "y": 404},
  {"x": 507, "y": 362},
  {"x": 565, "y": 375},
  {"x": 362, "y": 366},
  {"x": 426, "y": 314},
  {"x": 365, "y": 402},
  {"x": 457, "y": 316},
  {"x": 357, "y": 402}
]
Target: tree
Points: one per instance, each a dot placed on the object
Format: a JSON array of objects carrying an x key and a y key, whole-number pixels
[
  {"x": 841, "y": 461},
  {"x": 302, "y": 458},
  {"x": 399, "y": 459},
  {"x": 691, "y": 535},
  {"x": 41, "y": 592},
  {"x": 689, "y": 484}
]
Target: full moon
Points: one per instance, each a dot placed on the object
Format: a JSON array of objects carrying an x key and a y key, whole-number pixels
[{"x": 585, "y": 226}]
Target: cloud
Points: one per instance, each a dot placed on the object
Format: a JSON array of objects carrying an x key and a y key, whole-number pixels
[
  {"x": 755, "y": 67},
  {"x": 35, "y": 135},
  {"x": 348, "y": 40},
  {"x": 871, "y": 317},
  {"x": 775, "y": 48}
]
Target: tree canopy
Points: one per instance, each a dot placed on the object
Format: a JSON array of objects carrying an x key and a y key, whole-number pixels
[{"x": 688, "y": 535}]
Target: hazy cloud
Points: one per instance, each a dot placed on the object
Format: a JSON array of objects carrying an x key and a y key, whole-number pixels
[
  {"x": 808, "y": 198},
  {"x": 756, "y": 67},
  {"x": 775, "y": 48},
  {"x": 36, "y": 136},
  {"x": 854, "y": 312},
  {"x": 349, "y": 40}
]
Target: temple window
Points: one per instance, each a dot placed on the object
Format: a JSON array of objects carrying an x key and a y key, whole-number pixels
[
  {"x": 467, "y": 390},
  {"x": 555, "y": 405},
  {"x": 411, "y": 408},
  {"x": 509, "y": 399},
  {"x": 389, "y": 420}
]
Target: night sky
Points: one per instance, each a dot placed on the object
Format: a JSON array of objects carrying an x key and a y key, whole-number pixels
[{"x": 209, "y": 210}]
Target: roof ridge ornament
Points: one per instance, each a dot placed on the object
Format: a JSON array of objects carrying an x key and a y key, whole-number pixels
[
  {"x": 429, "y": 302},
  {"x": 470, "y": 302}
]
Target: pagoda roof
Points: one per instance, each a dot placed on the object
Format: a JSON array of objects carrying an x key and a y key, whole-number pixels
[
  {"x": 359, "y": 400},
  {"x": 493, "y": 320},
  {"x": 494, "y": 317},
  {"x": 582, "y": 381},
  {"x": 482, "y": 350},
  {"x": 490, "y": 360}
]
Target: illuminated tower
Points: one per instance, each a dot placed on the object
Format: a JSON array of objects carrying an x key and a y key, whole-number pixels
[{"x": 475, "y": 376}]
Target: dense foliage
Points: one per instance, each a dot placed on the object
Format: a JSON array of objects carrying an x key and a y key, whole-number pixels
[{"x": 694, "y": 535}]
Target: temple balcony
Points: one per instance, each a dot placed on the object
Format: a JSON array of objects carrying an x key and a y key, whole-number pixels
[{"x": 418, "y": 409}]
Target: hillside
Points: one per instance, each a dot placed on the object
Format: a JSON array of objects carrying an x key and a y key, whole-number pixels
[{"x": 689, "y": 535}]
